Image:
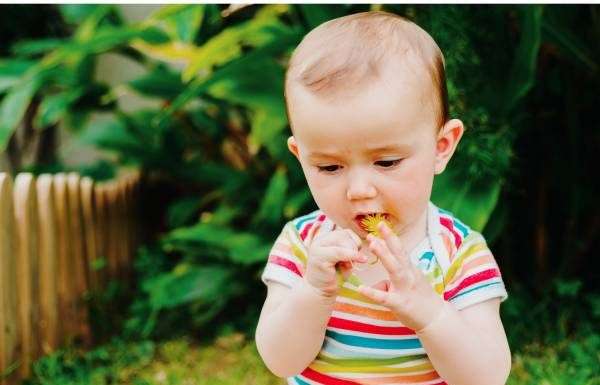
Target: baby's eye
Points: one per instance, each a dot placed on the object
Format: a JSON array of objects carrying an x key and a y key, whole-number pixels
[
  {"x": 388, "y": 163},
  {"x": 331, "y": 168}
]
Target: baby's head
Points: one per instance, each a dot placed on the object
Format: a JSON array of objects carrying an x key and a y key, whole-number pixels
[{"x": 368, "y": 107}]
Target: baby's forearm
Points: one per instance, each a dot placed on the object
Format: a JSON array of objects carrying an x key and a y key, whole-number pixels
[
  {"x": 463, "y": 355},
  {"x": 290, "y": 336}
]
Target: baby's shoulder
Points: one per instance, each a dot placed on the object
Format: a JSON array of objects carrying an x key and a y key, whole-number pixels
[{"x": 458, "y": 237}]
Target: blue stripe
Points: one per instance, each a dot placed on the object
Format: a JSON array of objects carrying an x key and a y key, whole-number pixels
[
  {"x": 427, "y": 255},
  {"x": 299, "y": 381},
  {"x": 462, "y": 227},
  {"x": 298, "y": 222},
  {"x": 365, "y": 342},
  {"x": 345, "y": 351},
  {"x": 476, "y": 288}
]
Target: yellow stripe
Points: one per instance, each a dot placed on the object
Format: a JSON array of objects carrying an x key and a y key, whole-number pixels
[
  {"x": 327, "y": 368},
  {"x": 458, "y": 262}
]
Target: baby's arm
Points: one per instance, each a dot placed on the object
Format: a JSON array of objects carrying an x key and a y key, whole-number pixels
[
  {"x": 468, "y": 346},
  {"x": 292, "y": 324},
  {"x": 291, "y": 327}
]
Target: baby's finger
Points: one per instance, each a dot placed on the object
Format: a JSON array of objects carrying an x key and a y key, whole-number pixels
[
  {"x": 335, "y": 254},
  {"x": 393, "y": 242},
  {"x": 377, "y": 296},
  {"x": 354, "y": 237},
  {"x": 389, "y": 262}
]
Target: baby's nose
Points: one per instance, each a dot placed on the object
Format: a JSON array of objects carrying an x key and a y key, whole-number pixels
[{"x": 360, "y": 188}]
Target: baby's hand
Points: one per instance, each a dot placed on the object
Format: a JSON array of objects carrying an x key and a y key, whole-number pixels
[
  {"x": 337, "y": 248},
  {"x": 407, "y": 293}
]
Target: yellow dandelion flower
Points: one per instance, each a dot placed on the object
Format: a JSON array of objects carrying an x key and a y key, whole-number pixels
[{"x": 371, "y": 221}]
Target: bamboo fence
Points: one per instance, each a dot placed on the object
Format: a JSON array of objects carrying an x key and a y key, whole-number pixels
[{"x": 56, "y": 233}]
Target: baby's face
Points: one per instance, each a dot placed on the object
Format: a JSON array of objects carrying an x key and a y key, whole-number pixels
[{"x": 374, "y": 153}]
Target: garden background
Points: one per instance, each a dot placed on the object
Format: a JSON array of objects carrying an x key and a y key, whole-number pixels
[{"x": 189, "y": 98}]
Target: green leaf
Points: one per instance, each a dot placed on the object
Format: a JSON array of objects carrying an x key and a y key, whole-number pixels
[
  {"x": 258, "y": 85},
  {"x": 54, "y": 107},
  {"x": 241, "y": 247},
  {"x": 12, "y": 70},
  {"x": 13, "y": 107},
  {"x": 316, "y": 14},
  {"x": 76, "y": 13},
  {"x": 522, "y": 74},
  {"x": 183, "y": 21},
  {"x": 115, "y": 135},
  {"x": 185, "y": 284},
  {"x": 271, "y": 207},
  {"x": 227, "y": 45},
  {"x": 36, "y": 47},
  {"x": 296, "y": 202},
  {"x": 472, "y": 203},
  {"x": 182, "y": 211},
  {"x": 199, "y": 85},
  {"x": 160, "y": 83}
]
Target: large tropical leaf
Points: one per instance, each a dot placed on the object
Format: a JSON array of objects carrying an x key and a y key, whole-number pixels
[
  {"x": 472, "y": 202},
  {"x": 187, "y": 283},
  {"x": 14, "y": 105},
  {"x": 271, "y": 206},
  {"x": 522, "y": 74},
  {"x": 241, "y": 247},
  {"x": 11, "y": 72}
]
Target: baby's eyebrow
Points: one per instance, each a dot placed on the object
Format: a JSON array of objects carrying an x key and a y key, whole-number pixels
[
  {"x": 369, "y": 151},
  {"x": 391, "y": 147}
]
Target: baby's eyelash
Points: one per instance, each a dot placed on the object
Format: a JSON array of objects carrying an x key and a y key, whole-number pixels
[
  {"x": 327, "y": 169},
  {"x": 388, "y": 163}
]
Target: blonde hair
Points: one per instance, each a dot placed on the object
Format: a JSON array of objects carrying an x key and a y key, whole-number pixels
[{"x": 344, "y": 54}]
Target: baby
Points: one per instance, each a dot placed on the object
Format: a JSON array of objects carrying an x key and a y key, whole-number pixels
[{"x": 414, "y": 299}]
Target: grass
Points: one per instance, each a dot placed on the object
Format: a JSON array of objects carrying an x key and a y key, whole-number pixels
[
  {"x": 230, "y": 360},
  {"x": 233, "y": 360}
]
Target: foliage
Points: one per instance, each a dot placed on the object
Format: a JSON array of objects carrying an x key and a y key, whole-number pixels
[
  {"x": 103, "y": 365},
  {"x": 218, "y": 136}
]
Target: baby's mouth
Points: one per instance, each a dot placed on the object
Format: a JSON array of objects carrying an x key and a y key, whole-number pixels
[{"x": 368, "y": 222}]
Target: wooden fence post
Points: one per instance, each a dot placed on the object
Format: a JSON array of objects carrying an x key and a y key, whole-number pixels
[
  {"x": 90, "y": 224},
  {"x": 79, "y": 260},
  {"x": 65, "y": 269},
  {"x": 9, "y": 345},
  {"x": 101, "y": 235},
  {"x": 26, "y": 224},
  {"x": 49, "y": 331}
]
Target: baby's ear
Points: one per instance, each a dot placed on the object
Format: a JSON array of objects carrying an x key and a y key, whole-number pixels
[
  {"x": 293, "y": 146},
  {"x": 447, "y": 140}
]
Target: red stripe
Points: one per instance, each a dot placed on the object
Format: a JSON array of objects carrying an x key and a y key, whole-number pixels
[
  {"x": 472, "y": 279},
  {"x": 307, "y": 228},
  {"x": 324, "y": 379},
  {"x": 368, "y": 328},
  {"x": 447, "y": 223},
  {"x": 285, "y": 263},
  {"x": 304, "y": 232}
]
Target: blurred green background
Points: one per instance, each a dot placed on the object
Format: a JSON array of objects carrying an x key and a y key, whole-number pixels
[{"x": 192, "y": 95}]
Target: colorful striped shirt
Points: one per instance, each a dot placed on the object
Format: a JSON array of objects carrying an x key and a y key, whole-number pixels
[{"x": 364, "y": 342}]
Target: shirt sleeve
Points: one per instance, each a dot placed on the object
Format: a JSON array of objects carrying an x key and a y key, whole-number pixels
[
  {"x": 287, "y": 258},
  {"x": 473, "y": 275}
]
